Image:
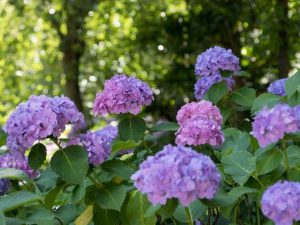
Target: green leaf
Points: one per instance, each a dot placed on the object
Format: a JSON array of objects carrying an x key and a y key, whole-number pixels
[
  {"x": 265, "y": 99},
  {"x": 136, "y": 209},
  {"x": 197, "y": 209},
  {"x": 293, "y": 153},
  {"x": 119, "y": 145},
  {"x": 217, "y": 92},
  {"x": 168, "y": 209},
  {"x": 239, "y": 191},
  {"x": 221, "y": 199},
  {"x": 165, "y": 126},
  {"x": 242, "y": 74},
  {"x": 152, "y": 210},
  {"x": 117, "y": 168},
  {"x": 268, "y": 161},
  {"x": 67, "y": 213},
  {"x": 235, "y": 140},
  {"x": 51, "y": 196},
  {"x": 240, "y": 165},
  {"x": 14, "y": 174},
  {"x": 70, "y": 163},
  {"x": 132, "y": 128},
  {"x": 292, "y": 84},
  {"x": 3, "y": 136},
  {"x": 111, "y": 196},
  {"x": 105, "y": 216},
  {"x": 40, "y": 216},
  {"x": 37, "y": 156},
  {"x": 17, "y": 199},
  {"x": 47, "y": 179},
  {"x": 244, "y": 96}
]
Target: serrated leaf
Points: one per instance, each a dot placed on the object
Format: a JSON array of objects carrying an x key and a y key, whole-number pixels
[
  {"x": 37, "y": 156},
  {"x": 117, "y": 168},
  {"x": 136, "y": 208},
  {"x": 197, "y": 209},
  {"x": 119, "y": 145},
  {"x": 165, "y": 126},
  {"x": 17, "y": 199},
  {"x": 67, "y": 213},
  {"x": 292, "y": 84},
  {"x": 240, "y": 165},
  {"x": 239, "y": 191},
  {"x": 70, "y": 163},
  {"x": 268, "y": 161},
  {"x": 217, "y": 92},
  {"x": 244, "y": 96},
  {"x": 105, "y": 216},
  {"x": 132, "y": 128},
  {"x": 111, "y": 196},
  {"x": 235, "y": 140},
  {"x": 265, "y": 99},
  {"x": 40, "y": 216},
  {"x": 293, "y": 153}
]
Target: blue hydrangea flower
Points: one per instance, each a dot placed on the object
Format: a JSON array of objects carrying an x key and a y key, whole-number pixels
[{"x": 278, "y": 87}]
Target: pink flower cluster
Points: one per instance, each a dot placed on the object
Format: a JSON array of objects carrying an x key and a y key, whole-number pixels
[
  {"x": 200, "y": 123},
  {"x": 123, "y": 94},
  {"x": 177, "y": 172}
]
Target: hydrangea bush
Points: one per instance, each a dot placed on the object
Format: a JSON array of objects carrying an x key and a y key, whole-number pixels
[{"x": 232, "y": 156}]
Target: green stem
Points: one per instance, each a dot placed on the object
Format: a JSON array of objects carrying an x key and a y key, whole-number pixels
[
  {"x": 55, "y": 141},
  {"x": 98, "y": 185},
  {"x": 257, "y": 214},
  {"x": 286, "y": 163},
  {"x": 258, "y": 180},
  {"x": 189, "y": 215},
  {"x": 235, "y": 216}
]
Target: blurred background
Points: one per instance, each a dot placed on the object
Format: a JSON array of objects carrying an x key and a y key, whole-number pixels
[{"x": 70, "y": 47}]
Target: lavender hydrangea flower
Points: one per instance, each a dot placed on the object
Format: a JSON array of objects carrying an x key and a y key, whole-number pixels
[
  {"x": 199, "y": 131},
  {"x": 203, "y": 108},
  {"x": 38, "y": 118},
  {"x": 123, "y": 94},
  {"x": 278, "y": 87},
  {"x": 21, "y": 163},
  {"x": 270, "y": 125},
  {"x": 98, "y": 144},
  {"x": 4, "y": 186},
  {"x": 200, "y": 123},
  {"x": 214, "y": 60},
  {"x": 204, "y": 84},
  {"x": 177, "y": 172},
  {"x": 281, "y": 202}
]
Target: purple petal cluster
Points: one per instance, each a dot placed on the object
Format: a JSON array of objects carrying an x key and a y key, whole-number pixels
[
  {"x": 203, "y": 84},
  {"x": 177, "y": 172},
  {"x": 4, "y": 186},
  {"x": 38, "y": 118},
  {"x": 20, "y": 163},
  {"x": 98, "y": 144},
  {"x": 281, "y": 202},
  {"x": 278, "y": 87},
  {"x": 270, "y": 125},
  {"x": 200, "y": 123},
  {"x": 214, "y": 60},
  {"x": 123, "y": 94}
]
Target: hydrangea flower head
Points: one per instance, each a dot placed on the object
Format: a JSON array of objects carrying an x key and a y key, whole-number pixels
[
  {"x": 270, "y": 125},
  {"x": 203, "y": 108},
  {"x": 203, "y": 84},
  {"x": 214, "y": 60},
  {"x": 199, "y": 131},
  {"x": 98, "y": 144},
  {"x": 278, "y": 87},
  {"x": 281, "y": 202},
  {"x": 38, "y": 118},
  {"x": 123, "y": 94},
  {"x": 177, "y": 172}
]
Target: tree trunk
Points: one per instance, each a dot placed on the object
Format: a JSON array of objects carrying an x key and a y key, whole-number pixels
[{"x": 283, "y": 37}]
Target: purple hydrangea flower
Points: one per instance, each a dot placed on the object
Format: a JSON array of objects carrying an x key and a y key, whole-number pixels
[
  {"x": 204, "y": 84},
  {"x": 37, "y": 119},
  {"x": 199, "y": 131},
  {"x": 270, "y": 125},
  {"x": 20, "y": 163},
  {"x": 214, "y": 60},
  {"x": 4, "y": 186},
  {"x": 203, "y": 108},
  {"x": 98, "y": 144},
  {"x": 177, "y": 172},
  {"x": 123, "y": 94},
  {"x": 281, "y": 202},
  {"x": 278, "y": 87}
]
